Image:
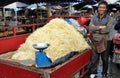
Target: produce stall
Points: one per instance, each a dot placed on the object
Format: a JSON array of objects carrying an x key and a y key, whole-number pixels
[{"x": 75, "y": 67}]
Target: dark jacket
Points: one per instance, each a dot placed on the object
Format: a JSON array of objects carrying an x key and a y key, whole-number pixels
[{"x": 117, "y": 26}]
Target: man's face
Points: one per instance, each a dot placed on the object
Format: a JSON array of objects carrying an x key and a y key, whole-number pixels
[{"x": 102, "y": 9}]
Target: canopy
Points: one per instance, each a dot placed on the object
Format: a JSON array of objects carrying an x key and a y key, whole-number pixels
[
  {"x": 6, "y": 2},
  {"x": 39, "y": 6},
  {"x": 49, "y": 1},
  {"x": 111, "y": 1},
  {"x": 16, "y": 5}
]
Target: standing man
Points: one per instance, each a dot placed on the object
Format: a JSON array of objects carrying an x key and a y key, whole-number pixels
[{"x": 100, "y": 26}]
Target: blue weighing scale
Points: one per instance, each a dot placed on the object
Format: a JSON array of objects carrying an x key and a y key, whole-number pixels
[{"x": 42, "y": 59}]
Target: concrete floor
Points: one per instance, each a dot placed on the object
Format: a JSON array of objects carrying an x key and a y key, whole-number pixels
[{"x": 113, "y": 71}]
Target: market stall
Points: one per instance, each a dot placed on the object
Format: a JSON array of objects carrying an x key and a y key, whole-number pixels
[
  {"x": 59, "y": 33},
  {"x": 77, "y": 70},
  {"x": 13, "y": 16}
]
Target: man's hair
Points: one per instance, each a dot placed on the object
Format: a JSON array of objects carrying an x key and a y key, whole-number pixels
[{"x": 103, "y": 2}]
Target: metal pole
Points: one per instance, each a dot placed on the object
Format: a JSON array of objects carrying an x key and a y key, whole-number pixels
[
  {"x": 4, "y": 15},
  {"x": 70, "y": 9},
  {"x": 49, "y": 10},
  {"x": 16, "y": 15}
]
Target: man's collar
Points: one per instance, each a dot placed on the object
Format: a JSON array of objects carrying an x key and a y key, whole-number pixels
[{"x": 98, "y": 15}]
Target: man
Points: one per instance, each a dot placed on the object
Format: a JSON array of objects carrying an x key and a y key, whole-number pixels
[{"x": 100, "y": 26}]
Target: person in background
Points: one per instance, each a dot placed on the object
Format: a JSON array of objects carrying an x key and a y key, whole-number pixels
[
  {"x": 100, "y": 25},
  {"x": 116, "y": 41},
  {"x": 115, "y": 16}
]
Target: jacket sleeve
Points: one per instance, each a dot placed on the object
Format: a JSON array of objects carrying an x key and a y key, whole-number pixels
[
  {"x": 109, "y": 26},
  {"x": 92, "y": 27}
]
